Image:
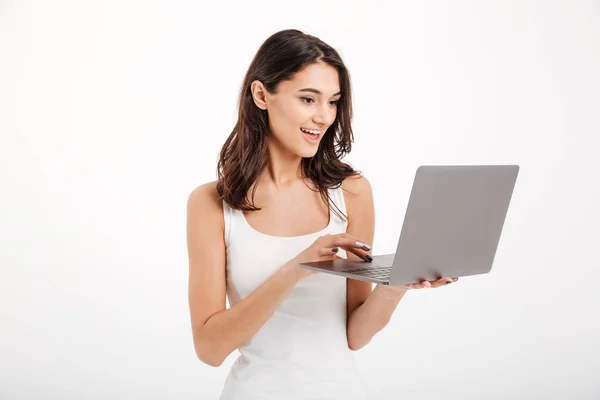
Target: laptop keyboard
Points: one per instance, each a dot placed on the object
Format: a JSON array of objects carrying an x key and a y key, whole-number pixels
[{"x": 372, "y": 272}]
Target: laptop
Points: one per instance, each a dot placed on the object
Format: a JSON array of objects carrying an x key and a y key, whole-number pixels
[{"x": 451, "y": 228}]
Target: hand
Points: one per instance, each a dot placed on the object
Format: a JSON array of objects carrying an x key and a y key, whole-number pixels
[
  {"x": 422, "y": 285},
  {"x": 326, "y": 247}
]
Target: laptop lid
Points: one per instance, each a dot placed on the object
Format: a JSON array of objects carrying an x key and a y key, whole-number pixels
[{"x": 453, "y": 221}]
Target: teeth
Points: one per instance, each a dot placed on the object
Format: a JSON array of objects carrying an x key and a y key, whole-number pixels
[{"x": 314, "y": 132}]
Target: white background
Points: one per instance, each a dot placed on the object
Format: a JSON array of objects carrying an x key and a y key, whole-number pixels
[{"x": 112, "y": 112}]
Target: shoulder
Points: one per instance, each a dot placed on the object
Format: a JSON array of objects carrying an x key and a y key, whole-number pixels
[
  {"x": 357, "y": 185},
  {"x": 358, "y": 195},
  {"x": 205, "y": 194},
  {"x": 205, "y": 201}
]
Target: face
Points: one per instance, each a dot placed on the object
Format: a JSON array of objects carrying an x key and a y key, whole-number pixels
[{"x": 303, "y": 108}]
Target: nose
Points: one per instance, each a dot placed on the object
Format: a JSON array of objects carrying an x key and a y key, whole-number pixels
[{"x": 324, "y": 114}]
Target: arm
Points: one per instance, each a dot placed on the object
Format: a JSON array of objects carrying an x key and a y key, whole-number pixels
[
  {"x": 372, "y": 316},
  {"x": 368, "y": 310},
  {"x": 218, "y": 331}
]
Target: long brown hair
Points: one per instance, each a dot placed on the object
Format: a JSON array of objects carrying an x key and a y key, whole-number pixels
[{"x": 245, "y": 153}]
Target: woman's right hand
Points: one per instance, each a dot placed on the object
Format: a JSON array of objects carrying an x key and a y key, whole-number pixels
[{"x": 326, "y": 248}]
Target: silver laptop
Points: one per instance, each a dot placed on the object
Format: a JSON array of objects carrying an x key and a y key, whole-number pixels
[{"x": 452, "y": 227}]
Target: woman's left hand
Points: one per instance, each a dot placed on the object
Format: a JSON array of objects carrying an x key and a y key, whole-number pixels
[{"x": 422, "y": 285}]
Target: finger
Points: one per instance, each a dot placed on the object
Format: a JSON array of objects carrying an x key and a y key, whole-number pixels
[
  {"x": 420, "y": 285},
  {"x": 440, "y": 282},
  {"x": 349, "y": 240},
  {"x": 328, "y": 251},
  {"x": 336, "y": 242},
  {"x": 358, "y": 242},
  {"x": 354, "y": 246},
  {"x": 363, "y": 255}
]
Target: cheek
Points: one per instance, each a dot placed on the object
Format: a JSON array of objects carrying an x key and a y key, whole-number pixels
[
  {"x": 288, "y": 119},
  {"x": 297, "y": 114}
]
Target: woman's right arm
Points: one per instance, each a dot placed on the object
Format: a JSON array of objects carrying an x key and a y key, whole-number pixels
[{"x": 218, "y": 331}]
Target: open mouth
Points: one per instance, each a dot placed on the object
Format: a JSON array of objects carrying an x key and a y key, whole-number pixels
[
  {"x": 312, "y": 136},
  {"x": 311, "y": 131}
]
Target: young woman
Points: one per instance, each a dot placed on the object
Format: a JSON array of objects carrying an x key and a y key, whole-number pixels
[{"x": 283, "y": 196}]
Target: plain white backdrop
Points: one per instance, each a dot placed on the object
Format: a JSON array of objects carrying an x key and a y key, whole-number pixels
[{"x": 112, "y": 112}]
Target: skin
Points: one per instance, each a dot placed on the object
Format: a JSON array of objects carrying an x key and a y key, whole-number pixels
[{"x": 218, "y": 331}]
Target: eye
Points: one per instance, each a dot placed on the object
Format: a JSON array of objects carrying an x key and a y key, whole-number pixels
[{"x": 310, "y": 100}]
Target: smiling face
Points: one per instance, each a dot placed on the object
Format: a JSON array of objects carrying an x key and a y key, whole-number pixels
[{"x": 302, "y": 109}]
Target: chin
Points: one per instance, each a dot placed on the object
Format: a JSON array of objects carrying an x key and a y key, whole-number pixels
[{"x": 307, "y": 152}]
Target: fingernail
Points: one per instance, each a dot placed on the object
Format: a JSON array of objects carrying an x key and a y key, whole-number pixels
[
  {"x": 335, "y": 249},
  {"x": 369, "y": 258},
  {"x": 363, "y": 245}
]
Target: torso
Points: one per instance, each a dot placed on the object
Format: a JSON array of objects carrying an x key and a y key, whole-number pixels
[{"x": 302, "y": 349}]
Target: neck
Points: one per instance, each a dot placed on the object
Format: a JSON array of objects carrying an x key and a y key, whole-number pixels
[{"x": 284, "y": 167}]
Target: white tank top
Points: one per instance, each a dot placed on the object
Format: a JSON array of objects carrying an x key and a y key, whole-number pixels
[{"x": 302, "y": 351}]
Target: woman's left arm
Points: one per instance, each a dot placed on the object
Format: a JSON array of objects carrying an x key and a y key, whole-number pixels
[{"x": 368, "y": 310}]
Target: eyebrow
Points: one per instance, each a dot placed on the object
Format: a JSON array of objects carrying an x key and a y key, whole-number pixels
[{"x": 316, "y": 91}]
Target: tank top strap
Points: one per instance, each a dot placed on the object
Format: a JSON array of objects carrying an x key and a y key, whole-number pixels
[
  {"x": 228, "y": 219},
  {"x": 336, "y": 197}
]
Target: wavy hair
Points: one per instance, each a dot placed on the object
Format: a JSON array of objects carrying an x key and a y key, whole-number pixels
[{"x": 245, "y": 153}]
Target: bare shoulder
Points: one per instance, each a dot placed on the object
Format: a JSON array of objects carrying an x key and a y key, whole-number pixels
[
  {"x": 358, "y": 196},
  {"x": 358, "y": 193},
  {"x": 204, "y": 200},
  {"x": 206, "y": 192},
  {"x": 357, "y": 185}
]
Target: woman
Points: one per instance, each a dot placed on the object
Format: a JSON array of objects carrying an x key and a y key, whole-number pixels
[{"x": 284, "y": 197}]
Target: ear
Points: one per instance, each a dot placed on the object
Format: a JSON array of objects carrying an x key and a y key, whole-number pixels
[{"x": 259, "y": 94}]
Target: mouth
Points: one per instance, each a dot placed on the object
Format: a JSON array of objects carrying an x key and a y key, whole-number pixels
[{"x": 312, "y": 135}]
